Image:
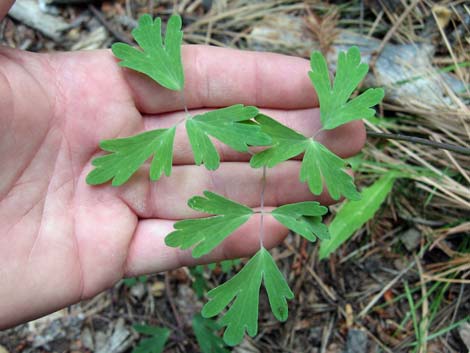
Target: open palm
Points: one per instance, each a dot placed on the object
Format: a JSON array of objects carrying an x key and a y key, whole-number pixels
[{"x": 62, "y": 240}]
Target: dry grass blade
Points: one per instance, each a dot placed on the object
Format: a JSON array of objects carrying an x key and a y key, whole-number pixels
[{"x": 324, "y": 29}]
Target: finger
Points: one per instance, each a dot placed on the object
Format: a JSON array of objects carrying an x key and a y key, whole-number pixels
[
  {"x": 4, "y": 7},
  {"x": 167, "y": 198},
  {"x": 216, "y": 77},
  {"x": 149, "y": 254},
  {"x": 345, "y": 141}
]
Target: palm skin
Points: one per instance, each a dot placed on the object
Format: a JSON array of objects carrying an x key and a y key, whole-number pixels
[{"x": 62, "y": 240}]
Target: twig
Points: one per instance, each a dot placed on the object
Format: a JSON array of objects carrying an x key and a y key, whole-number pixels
[
  {"x": 371, "y": 335},
  {"x": 169, "y": 296},
  {"x": 261, "y": 222},
  {"x": 99, "y": 16},
  {"x": 326, "y": 333},
  {"x": 328, "y": 291},
  {"x": 151, "y": 6},
  {"x": 384, "y": 289},
  {"x": 423, "y": 325},
  {"x": 457, "y": 306},
  {"x": 421, "y": 141},
  {"x": 375, "y": 55},
  {"x": 29, "y": 13}
]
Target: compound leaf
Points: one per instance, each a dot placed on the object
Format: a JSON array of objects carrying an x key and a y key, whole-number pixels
[
  {"x": 320, "y": 164},
  {"x": 160, "y": 61},
  {"x": 335, "y": 109},
  {"x": 303, "y": 218},
  {"x": 129, "y": 153},
  {"x": 229, "y": 126},
  {"x": 243, "y": 289},
  {"x": 154, "y": 344},
  {"x": 206, "y": 233},
  {"x": 286, "y": 143},
  {"x": 204, "y": 330}
]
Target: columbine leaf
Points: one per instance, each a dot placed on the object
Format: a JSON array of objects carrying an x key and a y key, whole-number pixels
[
  {"x": 303, "y": 218},
  {"x": 286, "y": 143},
  {"x": 154, "y": 344},
  {"x": 129, "y": 153},
  {"x": 321, "y": 165},
  {"x": 206, "y": 233},
  {"x": 243, "y": 290},
  {"x": 335, "y": 110},
  {"x": 161, "y": 62},
  {"x": 204, "y": 330},
  {"x": 228, "y": 125}
]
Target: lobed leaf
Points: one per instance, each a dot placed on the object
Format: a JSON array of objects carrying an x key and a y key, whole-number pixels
[
  {"x": 303, "y": 218},
  {"x": 321, "y": 165},
  {"x": 228, "y": 125},
  {"x": 286, "y": 143},
  {"x": 243, "y": 289},
  {"x": 217, "y": 204},
  {"x": 154, "y": 344},
  {"x": 160, "y": 61},
  {"x": 204, "y": 330},
  {"x": 129, "y": 153},
  {"x": 206, "y": 233},
  {"x": 335, "y": 110}
]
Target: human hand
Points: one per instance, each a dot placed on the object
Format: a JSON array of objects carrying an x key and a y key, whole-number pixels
[{"x": 62, "y": 240}]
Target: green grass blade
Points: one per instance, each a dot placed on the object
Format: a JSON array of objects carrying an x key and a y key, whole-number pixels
[{"x": 353, "y": 214}]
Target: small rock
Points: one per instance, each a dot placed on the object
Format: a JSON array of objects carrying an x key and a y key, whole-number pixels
[
  {"x": 100, "y": 341},
  {"x": 410, "y": 239},
  {"x": 464, "y": 332},
  {"x": 87, "y": 339},
  {"x": 356, "y": 342},
  {"x": 138, "y": 290},
  {"x": 400, "y": 263}
]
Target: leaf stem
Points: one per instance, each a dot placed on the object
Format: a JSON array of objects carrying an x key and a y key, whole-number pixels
[
  {"x": 185, "y": 107},
  {"x": 261, "y": 222},
  {"x": 422, "y": 141},
  {"x": 183, "y": 99},
  {"x": 314, "y": 137}
]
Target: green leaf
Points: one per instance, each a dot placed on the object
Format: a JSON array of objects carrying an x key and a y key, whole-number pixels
[
  {"x": 132, "y": 281},
  {"x": 228, "y": 125},
  {"x": 204, "y": 330},
  {"x": 353, "y": 214},
  {"x": 321, "y": 165},
  {"x": 129, "y": 153},
  {"x": 335, "y": 109},
  {"x": 154, "y": 344},
  {"x": 242, "y": 291},
  {"x": 160, "y": 61},
  {"x": 199, "y": 282},
  {"x": 206, "y": 233},
  {"x": 228, "y": 265},
  {"x": 286, "y": 143},
  {"x": 303, "y": 218}
]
